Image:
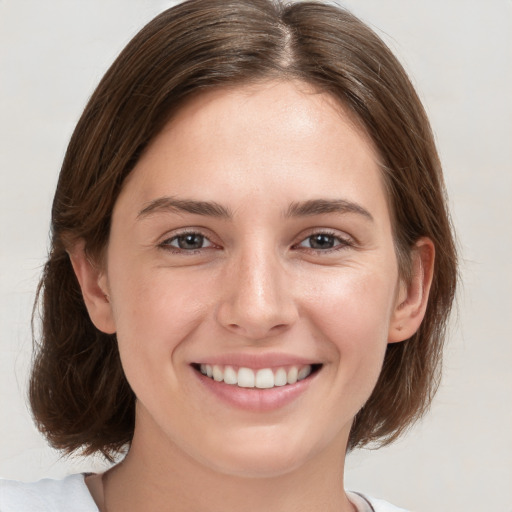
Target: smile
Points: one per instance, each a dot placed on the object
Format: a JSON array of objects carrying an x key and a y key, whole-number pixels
[{"x": 263, "y": 378}]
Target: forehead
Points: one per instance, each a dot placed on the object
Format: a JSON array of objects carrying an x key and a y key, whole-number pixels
[
  {"x": 289, "y": 109},
  {"x": 261, "y": 137}
]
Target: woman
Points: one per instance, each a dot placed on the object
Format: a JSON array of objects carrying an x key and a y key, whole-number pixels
[{"x": 251, "y": 267}]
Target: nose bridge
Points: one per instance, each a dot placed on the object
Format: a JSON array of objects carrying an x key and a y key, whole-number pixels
[{"x": 258, "y": 301}]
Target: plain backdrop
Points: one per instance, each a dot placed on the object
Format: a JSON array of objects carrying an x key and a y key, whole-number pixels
[{"x": 459, "y": 55}]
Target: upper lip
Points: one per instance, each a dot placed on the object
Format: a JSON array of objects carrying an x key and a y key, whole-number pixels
[{"x": 256, "y": 361}]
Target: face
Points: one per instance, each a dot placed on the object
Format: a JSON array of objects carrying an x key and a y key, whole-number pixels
[{"x": 253, "y": 243}]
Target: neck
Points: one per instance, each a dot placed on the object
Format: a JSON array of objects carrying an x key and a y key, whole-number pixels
[{"x": 166, "y": 479}]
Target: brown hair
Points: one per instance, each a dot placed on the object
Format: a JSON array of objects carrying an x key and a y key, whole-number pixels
[{"x": 78, "y": 393}]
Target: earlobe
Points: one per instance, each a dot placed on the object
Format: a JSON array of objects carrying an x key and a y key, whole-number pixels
[
  {"x": 94, "y": 286},
  {"x": 413, "y": 296}
]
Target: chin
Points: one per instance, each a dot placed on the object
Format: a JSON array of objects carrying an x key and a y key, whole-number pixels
[
  {"x": 258, "y": 467},
  {"x": 260, "y": 459}
]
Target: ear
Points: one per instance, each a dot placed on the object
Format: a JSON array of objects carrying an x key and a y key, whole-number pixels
[
  {"x": 94, "y": 285},
  {"x": 412, "y": 297}
]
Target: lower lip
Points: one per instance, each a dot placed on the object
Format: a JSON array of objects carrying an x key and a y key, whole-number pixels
[{"x": 254, "y": 399}]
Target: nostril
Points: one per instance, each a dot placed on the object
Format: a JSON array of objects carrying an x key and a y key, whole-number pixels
[{"x": 279, "y": 327}]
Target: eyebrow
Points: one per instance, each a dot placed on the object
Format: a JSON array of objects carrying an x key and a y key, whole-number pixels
[
  {"x": 165, "y": 204},
  {"x": 214, "y": 209},
  {"x": 323, "y": 206}
]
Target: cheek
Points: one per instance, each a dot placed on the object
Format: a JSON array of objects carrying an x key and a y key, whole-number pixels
[
  {"x": 353, "y": 302},
  {"x": 351, "y": 312},
  {"x": 154, "y": 313},
  {"x": 351, "y": 320}
]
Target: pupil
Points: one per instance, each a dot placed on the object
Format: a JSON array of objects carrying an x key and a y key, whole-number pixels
[
  {"x": 321, "y": 241},
  {"x": 191, "y": 241}
]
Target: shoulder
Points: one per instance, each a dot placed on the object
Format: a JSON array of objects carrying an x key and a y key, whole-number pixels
[
  {"x": 67, "y": 495},
  {"x": 367, "y": 503}
]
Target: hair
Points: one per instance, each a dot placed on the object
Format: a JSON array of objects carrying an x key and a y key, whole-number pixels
[{"x": 79, "y": 395}]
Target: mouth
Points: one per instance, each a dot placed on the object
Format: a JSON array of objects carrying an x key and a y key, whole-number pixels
[{"x": 261, "y": 378}]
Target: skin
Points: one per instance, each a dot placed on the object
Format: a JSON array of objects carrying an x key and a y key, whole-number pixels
[{"x": 256, "y": 286}]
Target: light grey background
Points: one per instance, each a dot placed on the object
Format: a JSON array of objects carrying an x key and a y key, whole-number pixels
[{"x": 459, "y": 53}]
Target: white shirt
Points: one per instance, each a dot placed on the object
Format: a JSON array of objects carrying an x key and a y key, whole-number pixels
[
  {"x": 68, "y": 495},
  {"x": 72, "y": 495}
]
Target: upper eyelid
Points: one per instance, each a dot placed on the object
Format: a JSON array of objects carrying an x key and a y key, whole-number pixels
[
  {"x": 179, "y": 235},
  {"x": 343, "y": 242},
  {"x": 341, "y": 235},
  {"x": 166, "y": 243},
  {"x": 206, "y": 233},
  {"x": 175, "y": 233}
]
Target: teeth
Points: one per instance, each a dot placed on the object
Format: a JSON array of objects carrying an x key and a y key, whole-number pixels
[
  {"x": 292, "y": 375},
  {"x": 218, "y": 374},
  {"x": 264, "y": 378},
  {"x": 280, "y": 378},
  {"x": 245, "y": 378},
  {"x": 304, "y": 372},
  {"x": 230, "y": 376}
]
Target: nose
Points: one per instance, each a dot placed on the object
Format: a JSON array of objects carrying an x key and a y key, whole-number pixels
[{"x": 257, "y": 299}]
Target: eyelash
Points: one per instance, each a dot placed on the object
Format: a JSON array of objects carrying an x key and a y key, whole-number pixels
[
  {"x": 342, "y": 243},
  {"x": 166, "y": 244}
]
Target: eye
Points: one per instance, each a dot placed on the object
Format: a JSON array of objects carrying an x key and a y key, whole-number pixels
[
  {"x": 188, "y": 242},
  {"x": 324, "y": 242}
]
